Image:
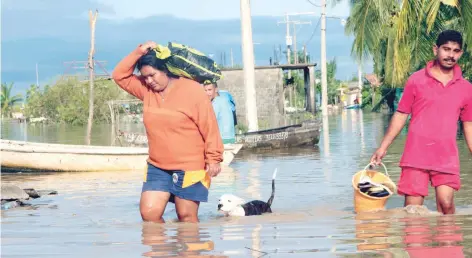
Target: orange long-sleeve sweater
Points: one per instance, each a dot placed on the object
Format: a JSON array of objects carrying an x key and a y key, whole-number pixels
[{"x": 182, "y": 130}]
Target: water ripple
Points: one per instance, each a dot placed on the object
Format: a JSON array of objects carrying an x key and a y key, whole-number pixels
[{"x": 97, "y": 214}]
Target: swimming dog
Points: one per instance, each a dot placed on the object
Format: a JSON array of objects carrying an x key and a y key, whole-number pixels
[{"x": 231, "y": 205}]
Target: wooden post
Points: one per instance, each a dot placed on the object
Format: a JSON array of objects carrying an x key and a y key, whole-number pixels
[
  {"x": 232, "y": 60},
  {"x": 290, "y": 92},
  {"x": 304, "y": 54},
  {"x": 93, "y": 20},
  {"x": 309, "y": 77},
  {"x": 295, "y": 50},
  {"x": 112, "y": 118}
]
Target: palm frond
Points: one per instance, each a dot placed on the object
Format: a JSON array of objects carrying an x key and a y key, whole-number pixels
[
  {"x": 453, "y": 3},
  {"x": 410, "y": 14},
  {"x": 466, "y": 15},
  {"x": 15, "y": 99},
  {"x": 399, "y": 34},
  {"x": 432, "y": 10},
  {"x": 365, "y": 23},
  {"x": 389, "y": 58},
  {"x": 398, "y": 58}
]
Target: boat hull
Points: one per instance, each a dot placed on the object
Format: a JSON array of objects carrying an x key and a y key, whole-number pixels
[
  {"x": 355, "y": 106},
  {"x": 306, "y": 133},
  {"x": 31, "y": 156}
]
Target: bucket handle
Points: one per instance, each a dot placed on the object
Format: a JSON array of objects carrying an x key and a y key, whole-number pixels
[{"x": 370, "y": 164}]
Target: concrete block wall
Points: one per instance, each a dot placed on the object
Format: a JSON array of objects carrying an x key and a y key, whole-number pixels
[{"x": 269, "y": 94}]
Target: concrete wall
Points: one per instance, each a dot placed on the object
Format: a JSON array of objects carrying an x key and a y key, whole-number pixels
[{"x": 269, "y": 94}]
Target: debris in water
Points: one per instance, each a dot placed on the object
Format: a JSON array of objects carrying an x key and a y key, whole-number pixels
[{"x": 13, "y": 196}]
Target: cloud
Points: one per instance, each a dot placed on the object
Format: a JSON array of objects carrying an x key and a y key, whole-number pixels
[
  {"x": 215, "y": 9},
  {"x": 51, "y": 32},
  {"x": 47, "y": 18},
  {"x": 56, "y": 8}
]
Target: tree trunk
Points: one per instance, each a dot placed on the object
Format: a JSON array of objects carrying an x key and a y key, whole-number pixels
[{"x": 93, "y": 20}]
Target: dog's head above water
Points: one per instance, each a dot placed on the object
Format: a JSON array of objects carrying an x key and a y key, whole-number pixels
[{"x": 229, "y": 203}]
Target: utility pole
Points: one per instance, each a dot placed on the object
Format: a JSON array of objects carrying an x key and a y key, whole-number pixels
[
  {"x": 93, "y": 20},
  {"x": 360, "y": 84},
  {"x": 324, "y": 76},
  {"x": 224, "y": 58},
  {"x": 37, "y": 75},
  {"x": 248, "y": 65},
  {"x": 275, "y": 56},
  {"x": 232, "y": 60},
  {"x": 288, "y": 38},
  {"x": 289, "y": 42},
  {"x": 295, "y": 51}
]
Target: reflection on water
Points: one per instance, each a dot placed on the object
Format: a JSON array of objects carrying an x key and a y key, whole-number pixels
[
  {"x": 97, "y": 214},
  {"x": 414, "y": 236},
  {"x": 63, "y": 133},
  {"x": 182, "y": 241}
]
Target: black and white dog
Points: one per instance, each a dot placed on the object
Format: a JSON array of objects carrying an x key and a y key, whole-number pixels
[{"x": 231, "y": 205}]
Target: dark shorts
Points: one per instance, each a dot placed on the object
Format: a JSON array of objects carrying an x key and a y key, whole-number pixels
[{"x": 171, "y": 181}]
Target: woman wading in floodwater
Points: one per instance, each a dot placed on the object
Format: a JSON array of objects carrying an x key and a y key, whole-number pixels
[{"x": 185, "y": 146}]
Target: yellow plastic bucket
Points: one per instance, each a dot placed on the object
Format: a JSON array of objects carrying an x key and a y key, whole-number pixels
[{"x": 365, "y": 203}]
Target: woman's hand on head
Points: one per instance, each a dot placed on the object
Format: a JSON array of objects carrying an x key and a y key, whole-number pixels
[{"x": 145, "y": 47}]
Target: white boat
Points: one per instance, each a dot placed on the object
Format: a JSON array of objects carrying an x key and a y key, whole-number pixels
[{"x": 34, "y": 156}]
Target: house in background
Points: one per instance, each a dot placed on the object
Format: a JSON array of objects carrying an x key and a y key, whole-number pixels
[{"x": 350, "y": 94}]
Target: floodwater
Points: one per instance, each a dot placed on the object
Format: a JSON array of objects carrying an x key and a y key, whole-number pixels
[{"x": 97, "y": 214}]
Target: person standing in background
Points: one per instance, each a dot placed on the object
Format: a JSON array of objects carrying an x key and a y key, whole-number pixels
[
  {"x": 227, "y": 95},
  {"x": 223, "y": 111}
]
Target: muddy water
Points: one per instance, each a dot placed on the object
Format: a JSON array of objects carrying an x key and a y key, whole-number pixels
[{"x": 97, "y": 214}]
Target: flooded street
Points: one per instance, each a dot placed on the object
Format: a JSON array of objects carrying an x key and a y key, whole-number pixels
[{"x": 96, "y": 214}]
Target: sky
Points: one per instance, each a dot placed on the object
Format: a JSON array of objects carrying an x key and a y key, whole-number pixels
[
  {"x": 215, "y": 9},
  {"x": 120, "y": 10},
  {"x": 52, "y": 32}
]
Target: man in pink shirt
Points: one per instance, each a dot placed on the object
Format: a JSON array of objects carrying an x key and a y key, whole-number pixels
[{"x": 436, "y": 97}]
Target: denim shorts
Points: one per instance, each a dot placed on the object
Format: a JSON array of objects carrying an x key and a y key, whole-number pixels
[{"x": 171, "y": 181}]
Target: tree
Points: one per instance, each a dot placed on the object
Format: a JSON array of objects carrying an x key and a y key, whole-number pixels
[
  {"x": 333, "y": 84},
  {"x": 301, "y": 57},
  {"x": 7, "y": 101},
  {"x": 67, "y": 101},
  {"x": 34, "y": 102},
  {"x": 399, "y": 35}
]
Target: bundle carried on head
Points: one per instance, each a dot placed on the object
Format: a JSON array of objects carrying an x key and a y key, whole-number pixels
[{"x": 187, "y": 62}]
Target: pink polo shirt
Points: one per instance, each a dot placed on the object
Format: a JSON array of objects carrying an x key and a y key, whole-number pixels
[{"x": 435, "y": 111}]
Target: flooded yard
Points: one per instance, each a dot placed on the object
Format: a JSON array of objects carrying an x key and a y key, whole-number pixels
[{"x": 96, "y": 214}]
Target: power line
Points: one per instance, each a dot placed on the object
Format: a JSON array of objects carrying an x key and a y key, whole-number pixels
[
  {"x": 313, "y": 3},
  {"x": 288, "y": 22},
  {"x": 314, "y": 31},
  {"x": 82, "y": 66}
]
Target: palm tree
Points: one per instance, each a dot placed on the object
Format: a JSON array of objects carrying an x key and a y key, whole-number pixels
[
  {"x": 7, "y": 101},
  {"x": 399, "y": 34},
  {"x": 333, "y": 84}
]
